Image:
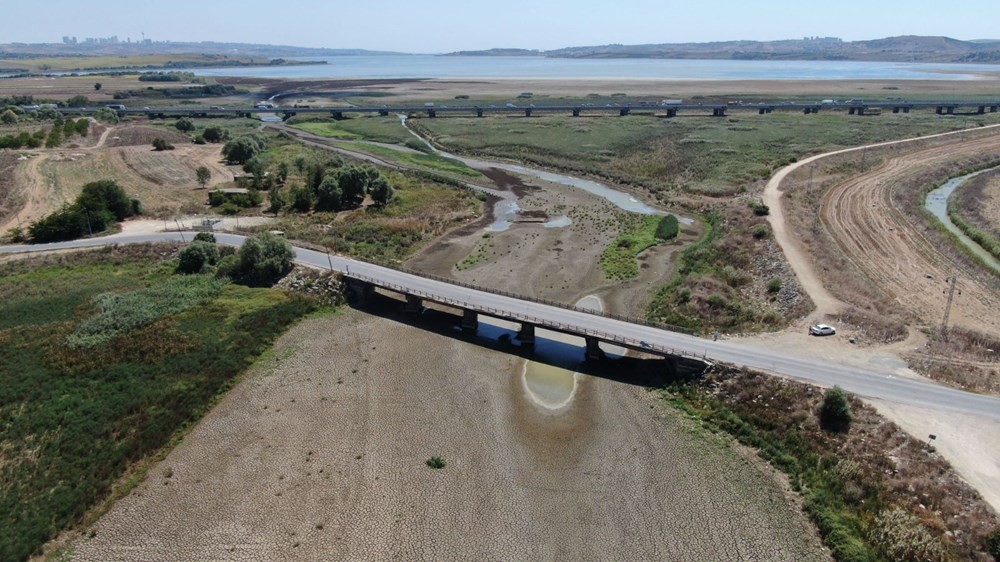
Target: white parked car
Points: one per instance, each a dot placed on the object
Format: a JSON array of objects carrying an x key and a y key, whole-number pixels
[{"x": 822, "y": 330}]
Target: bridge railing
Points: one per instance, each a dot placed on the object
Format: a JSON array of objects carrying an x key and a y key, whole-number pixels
[{"x": 529, "y": 318}]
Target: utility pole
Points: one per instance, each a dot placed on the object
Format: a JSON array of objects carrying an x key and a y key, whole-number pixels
[{"x": 952, "y": 280}]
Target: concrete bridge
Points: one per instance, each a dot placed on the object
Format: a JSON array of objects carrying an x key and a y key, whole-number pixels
[
  {"x": 854, "y": 107},
  {"x": 868, "y": 380}
]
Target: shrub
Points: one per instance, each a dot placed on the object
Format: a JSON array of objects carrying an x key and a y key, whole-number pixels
[
  {"x": 215, "y": 134},
  {"x": 205, "y": 237},
  {"x": 759, "y": 208},
  {"x": 184, "y": 124},
  {"x": 835, "y": 410},
  {"x": 993, "y": 543},
  {"x": 229, "y": 266},
  {"x": 774, "y": 285},
  {"x": 761, "y": 231},
  {"x": 197, "y": 257},
  {"x": 99, "y": 204},
  {"x": 160, "y": 145},
  {"x": 667, "y": 228},
  {"x": 436, "y": 462},
  {"x": 900, "y": 536}
]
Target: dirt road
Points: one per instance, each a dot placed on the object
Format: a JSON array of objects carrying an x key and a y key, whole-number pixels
[{"x": 320, "y": 455}]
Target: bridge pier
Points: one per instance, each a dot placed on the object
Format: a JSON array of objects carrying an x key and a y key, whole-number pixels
[
  {"x": 623, "y": 112},
  {"x": 413, "y": 304},
  {"x": 470, "y": 321},
  {"x": 906, "y": 109},
  {"x": 576, "y": 112},
  {"x": 895, "y": 110},
  {"x": 431, "y": 113},
  {"x": 594, "y": 351},
  {"x": 981, "y": 109},
  {"x": 527, "y": 112},
  {"x": 671, "y": 113},
  {"x": 719, "y": 112},
  {"x": 383, "y": 112},
  {"x": 527, "y": 335},
  {"x": 479, "y": 112},
  {"x": 338, "y": 115},
  {"x": 360, "y": 291}
]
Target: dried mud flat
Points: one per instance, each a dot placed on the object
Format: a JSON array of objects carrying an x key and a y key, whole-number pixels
[{"x": 320, "y": 453}]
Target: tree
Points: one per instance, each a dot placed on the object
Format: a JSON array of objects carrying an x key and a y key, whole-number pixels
[
  {"x": 667, "y": 228},
  {"x": 381, "y": 192},
  {"x": 264, "y": 258},
  {"x": 97, "y": 87},
  {"x": 329, "y": 197},
  {"x": 78, "y": 101},
  {"x": 354, "y": 182},
  {"x": 276, "y": 200},
  {"x": 55, "y": 138},
  {"x": 203, "y": 174},
  {"x": 241, "y": 149},
  {"x": 184, "y": 124},
  {"x": 197, "y": 257},
  {"x": 835, "y": 410},
  {"x": 205, "y": 237},
  {"x": 302, "y": 198},
  {"x": 106, "y": 194},
  {"x": 215, "y": 134},
  {"x": 8, "y": 117}
]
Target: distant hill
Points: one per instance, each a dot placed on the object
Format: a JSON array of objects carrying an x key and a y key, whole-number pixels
[{"x": 907, "y": 48}]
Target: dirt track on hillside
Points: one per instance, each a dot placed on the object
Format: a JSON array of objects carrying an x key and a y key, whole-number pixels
[
  {"x": 320, "y": 455},
  {"x": 863, "y": 215}
]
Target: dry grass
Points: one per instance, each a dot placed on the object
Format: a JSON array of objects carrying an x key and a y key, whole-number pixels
[
  {"x": 872, "y": 469},
  {"x": 964, "y": 358}
]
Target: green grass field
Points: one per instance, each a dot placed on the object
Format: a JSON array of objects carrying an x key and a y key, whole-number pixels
[
  {"x": 714, "y": 156},
  {"x": 91, "y": 384},
  {"x": 433, "y": 162},
  {"x": 373, "y": 128},
  {"x": 638, "y": 233}
]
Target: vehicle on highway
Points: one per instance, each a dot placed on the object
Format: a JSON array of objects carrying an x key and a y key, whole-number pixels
[
  {"x": 822, "y": 330},
  {"x": 116, "y": 107}
]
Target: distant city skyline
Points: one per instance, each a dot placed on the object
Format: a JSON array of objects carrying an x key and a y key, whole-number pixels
[{"x": 437, "y": 26}]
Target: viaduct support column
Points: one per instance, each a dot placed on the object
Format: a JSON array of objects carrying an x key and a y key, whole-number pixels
[
  {"x": 671, "y": 113},
  {"x": 470, "y": 321},
  {"x": 982, "y": 109},
  {"x": 413, "y": 304},
  {"x": 338, "y": 115},
  {"x": 906, "y": 109},
  {"x": 993, "y": 109},
  {"x": 576, "y": 112},
  {"x": 527, "y": 335},
  {"x": 479, "y": 112},
  {"x": 951, "y": 110},
  {"x": 895, "y": 110},
  {"x": 939, "y": 110},
  {"x": 623, "y": 112},
  {"x": 594, "y": 351},
  {"x": 360, "y": 291},
  {"x": 527, "y": 112},
  {"x": 431, "y": 113}
]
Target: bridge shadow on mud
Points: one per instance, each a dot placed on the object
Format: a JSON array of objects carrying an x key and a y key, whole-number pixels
[{"x": 647, "y": 371}]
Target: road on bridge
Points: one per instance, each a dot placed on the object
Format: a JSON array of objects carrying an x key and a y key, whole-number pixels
[{"x": 868, "y": 382}]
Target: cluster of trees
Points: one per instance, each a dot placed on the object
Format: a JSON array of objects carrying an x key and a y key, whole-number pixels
[
  {"x": 164, "y": 76},
  {"x": 186, "y": 92},
  {"x": 262, "y": 260},
  {"x": 54, "y": 137},
  {"x": 338, "y": 189},
  {"x": 244, "y": 147},
  {"x": 231, "y": 203},
  {"x": 99, "y": 205}
]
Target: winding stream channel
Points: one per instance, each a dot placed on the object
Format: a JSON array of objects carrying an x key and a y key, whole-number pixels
[
  {"x": 506, "y": 210},
  {"x": 937, "y": 203}
]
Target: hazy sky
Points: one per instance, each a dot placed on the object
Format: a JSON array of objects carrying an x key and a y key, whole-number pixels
[{"x": 435, "y": 26}]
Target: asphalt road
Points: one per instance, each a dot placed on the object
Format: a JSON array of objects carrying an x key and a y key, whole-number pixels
[{"x": 868, "y": 382}]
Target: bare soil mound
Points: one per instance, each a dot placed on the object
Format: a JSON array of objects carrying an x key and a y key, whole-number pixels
[{"x": 139, "y": 135}]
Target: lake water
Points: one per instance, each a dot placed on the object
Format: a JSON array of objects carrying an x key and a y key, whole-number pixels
[{"x": 431, "y": 66}]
